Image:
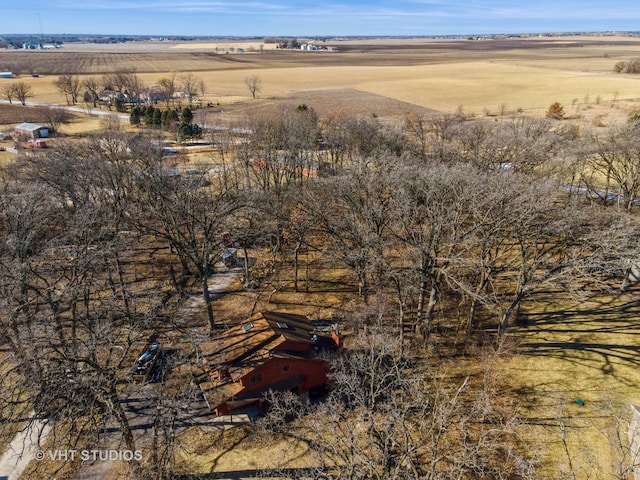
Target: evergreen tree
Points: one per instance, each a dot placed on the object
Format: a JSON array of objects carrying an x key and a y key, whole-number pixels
[
  {"x": 186, "y": 116},
  {"x": 119, "y": 104},
  {"x": 136, "y": 116},
  {"x": 148, "y": 115},
  {"x": 157, "y": 117},
  {"x": 165, "y": 120}
]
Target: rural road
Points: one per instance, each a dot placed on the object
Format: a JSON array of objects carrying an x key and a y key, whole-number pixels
[{"x": 89, "y": 111}]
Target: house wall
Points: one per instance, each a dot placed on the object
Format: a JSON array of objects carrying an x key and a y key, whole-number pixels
[
  {"x": 293, "y": 346},
  {"x": 22, "y": 135},
  {"x": 315, "y": 372}
]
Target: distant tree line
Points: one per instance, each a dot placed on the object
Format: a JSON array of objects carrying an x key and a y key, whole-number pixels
[{"x": 283, "y": 42}]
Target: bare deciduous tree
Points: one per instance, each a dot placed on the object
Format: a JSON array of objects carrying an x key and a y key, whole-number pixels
[
  {"x": 191, "y": 214},
  {"x": 254, "y": 84},
  {"x": 69, "y": 85},
  {"x": 190, "y": 85},
  {"x": 432, "y": 219},
  {"x": 430, "y": 136},
  {"x": 94, "y": 86},
  {"x": 55, "y": 117},
  {"x": 22, "y": 91},
  {"x": 167, "y": 86},
  {"x": 62, "y": 320},
  {"x": 387, "y": 419},
  {"x": 8, "y": 92},
  {"x": 126, "y": 82},
  {"x": 355, "y": 212},
  {"x": 616, "y": 159}
]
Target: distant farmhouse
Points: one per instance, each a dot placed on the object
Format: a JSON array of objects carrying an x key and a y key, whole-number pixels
[
  {"x": 269, "y": 351},
  {"x": 40, "y": 46}
]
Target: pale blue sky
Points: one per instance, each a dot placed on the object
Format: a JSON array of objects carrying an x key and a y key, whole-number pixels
[{"x": 304, "y": 17}]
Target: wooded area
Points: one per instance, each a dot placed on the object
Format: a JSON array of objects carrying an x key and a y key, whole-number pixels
[{"x": 447, "y": 226}]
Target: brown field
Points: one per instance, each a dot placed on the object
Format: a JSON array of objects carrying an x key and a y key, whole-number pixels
[
  {"x": 16, "y": 113},
  {"x": 442, "y": 75}
]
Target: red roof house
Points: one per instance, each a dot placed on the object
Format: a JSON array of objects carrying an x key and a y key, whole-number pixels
[{"x": 269, "y": 351}]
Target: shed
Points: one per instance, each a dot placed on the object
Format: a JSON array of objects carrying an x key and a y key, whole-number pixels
[{"x": 31, "y": 130}]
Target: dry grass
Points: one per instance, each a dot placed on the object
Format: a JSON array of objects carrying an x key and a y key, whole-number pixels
[
  {"x": 238, "y": 453},
  {"x": 423, "y": 74},
  {"x": 6, "y": 158},
  {"x": 589, "y": 352},
  {"x": 566, "y": 351}
]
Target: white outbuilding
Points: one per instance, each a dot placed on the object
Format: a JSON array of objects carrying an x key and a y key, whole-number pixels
[{"x": 31, "y": 130}]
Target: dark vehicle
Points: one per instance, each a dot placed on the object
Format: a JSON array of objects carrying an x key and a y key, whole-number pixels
[{"x": 145, "y": 363}]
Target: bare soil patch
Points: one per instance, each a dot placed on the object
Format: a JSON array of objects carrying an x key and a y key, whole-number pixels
[
  {"x": 14, "y": 114},
  {"x": 329, "y": 103},
  {"x": 62, "y": 62}
]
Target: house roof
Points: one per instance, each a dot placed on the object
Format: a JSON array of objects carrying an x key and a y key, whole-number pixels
[
  {"x": 255, "y": 340},
  {"x": 245, "y": 347},
  {"x": 29, "y": 127}
]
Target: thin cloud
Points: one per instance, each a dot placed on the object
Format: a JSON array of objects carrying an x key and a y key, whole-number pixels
[
  {"x": 347, "y": 17},
  {"x": 169, "y": 7}
]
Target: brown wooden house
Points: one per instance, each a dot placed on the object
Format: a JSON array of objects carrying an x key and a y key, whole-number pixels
[{"x": 269, "y": 351}]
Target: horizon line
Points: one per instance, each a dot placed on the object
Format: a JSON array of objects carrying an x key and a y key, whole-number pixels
[{"x": 333, "y": 36}]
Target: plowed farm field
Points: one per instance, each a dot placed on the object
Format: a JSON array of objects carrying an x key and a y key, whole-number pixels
[
  {"x": 62, "y": 62},
  {"x": 484, "y": 77}
]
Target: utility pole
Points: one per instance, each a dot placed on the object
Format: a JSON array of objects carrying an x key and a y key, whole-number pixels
[{"x": 41, "y": 31}]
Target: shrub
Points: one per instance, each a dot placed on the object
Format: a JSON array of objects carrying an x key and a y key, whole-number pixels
[
  {"x": 619, "y": 66},
  {"x": 556, "y": 110},
  {"x": 632, "y": 66},
  {"x": 634, "y": 118}
]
